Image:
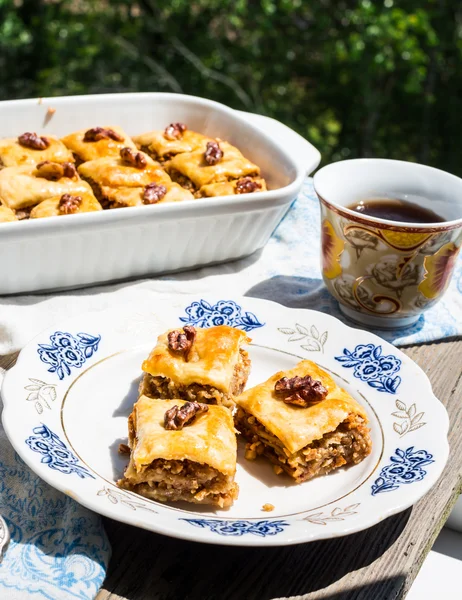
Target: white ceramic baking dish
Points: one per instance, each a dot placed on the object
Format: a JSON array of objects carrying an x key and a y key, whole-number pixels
[{"x": 89, "y": 248}]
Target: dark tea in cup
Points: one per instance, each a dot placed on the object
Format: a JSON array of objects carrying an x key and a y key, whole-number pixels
[{"x": 394, "y": 209}]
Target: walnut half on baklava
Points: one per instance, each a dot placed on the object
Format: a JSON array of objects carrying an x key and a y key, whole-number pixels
[
  {"x": 303, "y": 422},
  {"x": 181, "y": 451},
  {"x": 207, "y": 365}
]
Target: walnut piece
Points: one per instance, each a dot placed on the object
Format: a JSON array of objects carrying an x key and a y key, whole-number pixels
[
  {"x": 181, "y": 343},
  {"x": 32, "y": 140},
  {"x": 246, "y": 185},
  {"x": 99, "y": 133},
  {"x": 68, "y": 204},
  {"x": 213, "y": 153},
  {"x": 301, "y": 391},
  {"x": 175, "y": 131},
  {"x": 153, "y": 192},
  {"x": 54, "y": 171},
  {"x": 124, "y": 449},
  {"x": 176, "y": 418},
  {"x": 133, "y": 158}
]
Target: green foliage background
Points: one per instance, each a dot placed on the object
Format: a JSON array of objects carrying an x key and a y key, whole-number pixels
[{"x": 357, "y": 78}]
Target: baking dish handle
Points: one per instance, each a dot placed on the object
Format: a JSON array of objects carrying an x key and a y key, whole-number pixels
[{"x": 305, "y": 154}]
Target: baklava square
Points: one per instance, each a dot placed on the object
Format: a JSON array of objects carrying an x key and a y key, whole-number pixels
[
  {"x": 24, "y": 187},
  {"x": 119, "y": 182},
  {"x": 195, "y": 463},
  {"x": 206, "y": 365},
  {"x": 175, "y": 139},
  {"x": 31, "y": 149},
  {"x": 245, "y": 185},
  {"x": 66, "y": 204},
  {"x": 218, "y": 162},
  {"x": 303, "y": 423},
  {"x": 97, "y": 142}
]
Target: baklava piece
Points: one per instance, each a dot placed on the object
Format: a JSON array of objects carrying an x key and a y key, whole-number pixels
[
  {"x": 22, "y": 188},
  {"x": 6, "y": 214},
  {"x": 181, "y": 451},
  {"x": 207, "y": 365},
  {"x": 131, "y": 179},
  {"x": 218, "y": 162},
  {"x": 175, "y": 139},
  {"x": 245, "y": 185},
  {"x": 97, "y": 142},
  {"x": 66, "y": 204},
  {"x": 31, "y": 149},
  {"x": 303, "y": 422}
]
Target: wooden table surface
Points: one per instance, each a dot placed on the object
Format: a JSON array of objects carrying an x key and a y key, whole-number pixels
[{"x": 377, "y": 564}]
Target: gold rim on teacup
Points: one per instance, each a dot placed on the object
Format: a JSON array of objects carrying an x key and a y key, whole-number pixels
[{"x": 386, "y": 273}]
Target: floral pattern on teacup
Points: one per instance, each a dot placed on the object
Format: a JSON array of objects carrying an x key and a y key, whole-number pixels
[
  {"x": 386, "y": 269},
  {"x": 332, "y": 248},
  {"x": 438, "y": 269}
]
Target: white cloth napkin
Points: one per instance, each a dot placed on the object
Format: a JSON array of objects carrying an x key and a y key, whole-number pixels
[{"x": 52, "y": 534}]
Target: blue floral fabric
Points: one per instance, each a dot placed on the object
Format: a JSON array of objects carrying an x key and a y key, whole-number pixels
[{"x": 58, "y": 549}]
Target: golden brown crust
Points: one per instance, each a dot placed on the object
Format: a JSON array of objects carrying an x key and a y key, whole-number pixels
[
  {"x": 192, "y": 165},
  {"x": 7, "y": 215},
  {"x": 212, "y": 359},
  {"x": 21, "y": 188},
  {"x": 228, "y": 188},
  {"x": 348, "y": 444},
  {"x": 13, "y": 154},
  {"x": 51, "y": 207},
  {"x": 159, "y": 146},
  {"x": 118, "y": 184},
  {"x": 102, "y": 148},
  {"x": 210, "y": 440},
  {"x": 297, "y": 427}
]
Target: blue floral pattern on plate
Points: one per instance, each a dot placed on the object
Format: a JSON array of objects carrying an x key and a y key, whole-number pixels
[
  {"x": 238, "y": 528},
  {"x": 67, "y": 351},
  {"x": 405, "y": 467},
  {"x": 224, "y": 312},
  {"x": 55, "y": 452},
  {"x": 373, "y": 368}
]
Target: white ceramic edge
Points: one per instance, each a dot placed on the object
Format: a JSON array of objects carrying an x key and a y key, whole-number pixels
[
  {"x": 369, "y": 162},
  {"x": 305, "y": 153},
  {"x": 171, "y": 210},
  {"x": 442, "y": 426}
]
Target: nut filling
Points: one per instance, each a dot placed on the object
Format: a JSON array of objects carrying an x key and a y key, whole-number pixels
[
  {"x": 175, "y": 480},
  {"x": 349, "y": 444},
  {"x": 300, "y": 391},
  {"x": 161, "y": 387}
]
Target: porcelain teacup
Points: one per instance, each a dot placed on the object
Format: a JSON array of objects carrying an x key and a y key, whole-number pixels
[{"x": 386, "y": 273}]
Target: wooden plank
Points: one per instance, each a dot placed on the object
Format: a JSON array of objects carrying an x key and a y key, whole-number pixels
[{"x": 380, "y": 563}]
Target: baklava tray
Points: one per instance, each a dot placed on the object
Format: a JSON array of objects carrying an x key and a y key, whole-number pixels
[{"x": 84, "y": 249}]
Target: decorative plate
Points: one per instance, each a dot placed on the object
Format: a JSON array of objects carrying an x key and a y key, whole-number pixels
[{"x": 67, "y": 400}]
